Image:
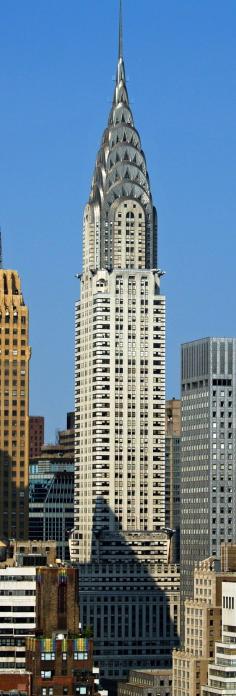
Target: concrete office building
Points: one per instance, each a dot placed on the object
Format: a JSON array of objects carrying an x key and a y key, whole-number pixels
[
  {"x": 208, "y": 465},
  {"x": 203, "y": 623},
  {"x": 120, "y": 410},
  {"x": 172, "y": 473},
  {"x": 222, "y": 673},
  {"x": 14, "y": 421}
]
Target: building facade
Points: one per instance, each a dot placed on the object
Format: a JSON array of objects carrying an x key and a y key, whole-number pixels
[
  {"x": 36, "y": 435},
  {"x": 15, "y": 682},
  {"x": 129, "y": 595},
  {"x": 172, "y": 473},
  {"x": 208, "y": 469},
  {"x": 14, "y": 421}
]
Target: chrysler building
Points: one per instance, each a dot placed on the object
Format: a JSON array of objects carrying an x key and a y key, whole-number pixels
[
  {"x": 120, "y": 336},
  {"x": 120, "y": 375}
]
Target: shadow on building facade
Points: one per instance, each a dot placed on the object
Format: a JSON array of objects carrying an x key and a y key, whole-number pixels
[{"x": 129, "y": 599}]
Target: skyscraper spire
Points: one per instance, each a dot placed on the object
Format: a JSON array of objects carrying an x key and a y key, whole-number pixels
[
  {"x": 120, "y": 172},
  {"x": 120, "y": 33}
]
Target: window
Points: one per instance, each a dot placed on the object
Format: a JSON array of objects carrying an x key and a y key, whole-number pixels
[
  {"x": 46, "y": 674},
  {"x": 80, "y": 655}
]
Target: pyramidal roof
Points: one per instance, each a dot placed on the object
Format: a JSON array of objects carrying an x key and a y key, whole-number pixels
[{"x": 120, "y": 169}]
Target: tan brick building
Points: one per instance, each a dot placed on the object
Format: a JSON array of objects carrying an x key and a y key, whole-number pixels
[
  {"x": 14, "y": 396},
  {"x": 202, "y": 623}
]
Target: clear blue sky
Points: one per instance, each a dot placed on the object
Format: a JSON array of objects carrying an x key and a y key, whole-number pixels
[{"x": 57, "y": 63}]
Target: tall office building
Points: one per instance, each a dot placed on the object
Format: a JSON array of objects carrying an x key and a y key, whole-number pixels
[
  {"x": 14, "y": 421},
  {"x": 208, "y": 469},
  {"x": 128, "y": 590},
  {"x": 120, "y": 342}
]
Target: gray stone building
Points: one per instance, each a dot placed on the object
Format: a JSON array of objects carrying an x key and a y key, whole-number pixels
[{"x": 208, "y": 464}]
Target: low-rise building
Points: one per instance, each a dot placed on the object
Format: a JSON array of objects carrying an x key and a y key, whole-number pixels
[
  {"x": 60, "y": 657},
  {"x": 147, "y": 682},
  {"x": 15, "y": 682},
  {"x": 18, "y": 573}
]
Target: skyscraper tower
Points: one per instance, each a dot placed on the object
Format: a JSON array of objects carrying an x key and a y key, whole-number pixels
[
  {"x": 128, "y": 590},
  {"x": 14, "y": 421},
  {"x": 120, "y": 342},
  {"x": 208, "y": 473}
]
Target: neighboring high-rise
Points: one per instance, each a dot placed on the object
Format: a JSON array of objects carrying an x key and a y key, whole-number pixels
[
  {"x": 208, "y": 469},
  {"x": 172, "y": 473},
  {"x": 36, "y": 435},
  {"x": 128, "y": 590},
  {"x": 14, "y": 421}
]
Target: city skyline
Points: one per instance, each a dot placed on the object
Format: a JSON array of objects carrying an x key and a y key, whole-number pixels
[{"x": 49, "y": 100}]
